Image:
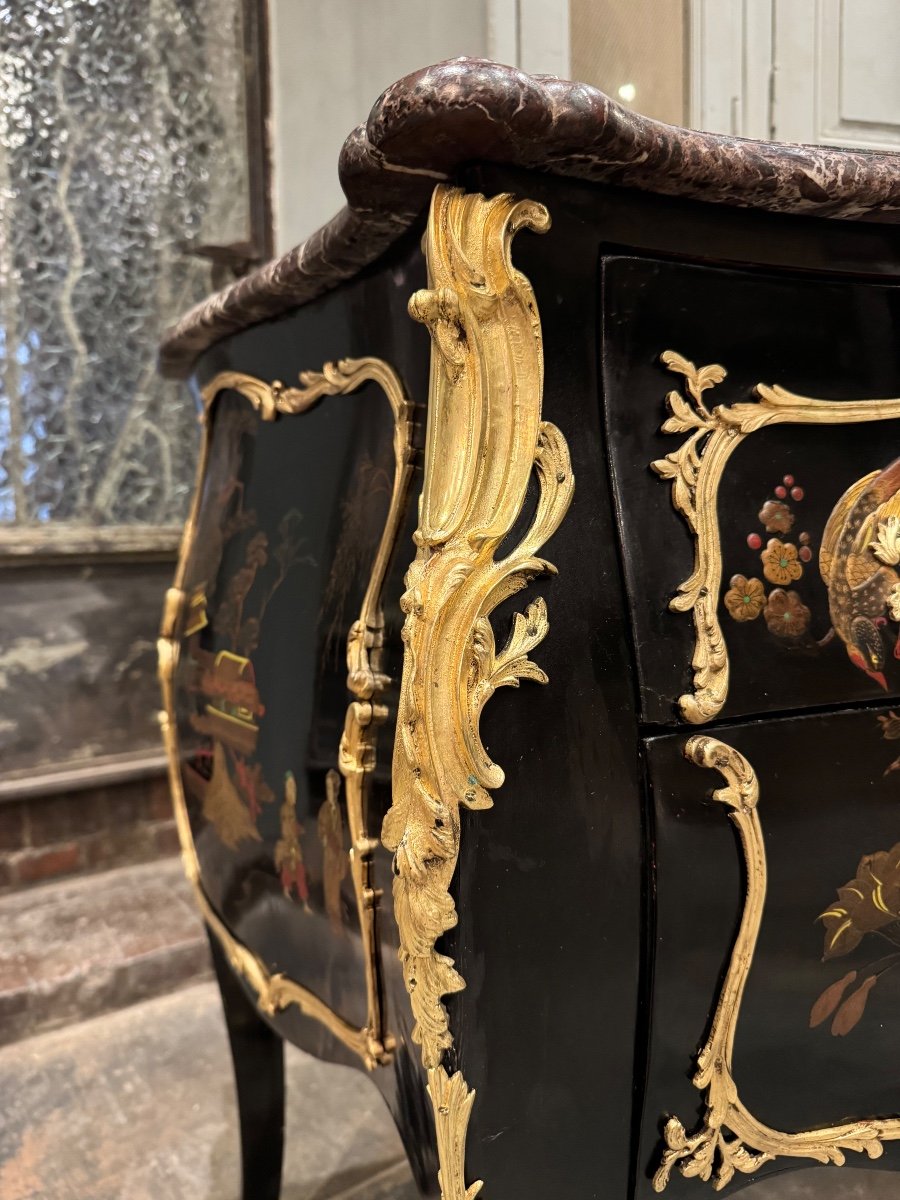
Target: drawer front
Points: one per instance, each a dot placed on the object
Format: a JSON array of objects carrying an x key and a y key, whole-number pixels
[
  {"x": 803, "y": 904},
  {"x": 760, "y": 525}
]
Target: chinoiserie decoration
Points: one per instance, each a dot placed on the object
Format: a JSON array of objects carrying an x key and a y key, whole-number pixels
[
  {"x": 731, "y": 1139},
  {"x": 230, "y": 787},
  {"x": 858, "y": 555}
]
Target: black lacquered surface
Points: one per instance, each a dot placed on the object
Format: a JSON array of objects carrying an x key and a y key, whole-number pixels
[
  {"x": 571, "y": 1138},
  {"x": 316, "y": 487},
  {"x": 828, "y": 792},
  {"x": 285, "y": 553},
  {"x": 549, "y": 939},
  {"x": 588, "y": 992}
]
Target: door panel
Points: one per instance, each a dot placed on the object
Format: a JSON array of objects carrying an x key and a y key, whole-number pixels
[
  {"x": 835, "y": 79},
  {"x": 813, "y": 71}
]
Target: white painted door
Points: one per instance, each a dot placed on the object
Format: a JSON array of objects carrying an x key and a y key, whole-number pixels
[
  {"x": 825, "y": 71},
  {"x": 836, "y": 78}
]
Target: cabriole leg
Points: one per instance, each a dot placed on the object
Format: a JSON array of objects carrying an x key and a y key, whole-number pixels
[{"x": 258, "y": 1056}]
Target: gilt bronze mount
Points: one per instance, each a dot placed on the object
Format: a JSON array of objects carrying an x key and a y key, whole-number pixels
[
  {"x": 731, "y": 1139},
  {"x": 485, "y": 401}
]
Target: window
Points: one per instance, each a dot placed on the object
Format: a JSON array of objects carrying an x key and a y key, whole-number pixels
[{"x": 125, "y": 165}]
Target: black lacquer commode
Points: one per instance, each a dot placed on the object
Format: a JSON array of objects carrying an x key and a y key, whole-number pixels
[{"x": 532, "y": 689}]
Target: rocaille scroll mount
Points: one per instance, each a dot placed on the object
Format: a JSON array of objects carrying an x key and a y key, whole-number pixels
[
  {"x": 730, "y": 1139},
  {"x": 485, "y": 399},
  {"x": 484, "y": 441}
]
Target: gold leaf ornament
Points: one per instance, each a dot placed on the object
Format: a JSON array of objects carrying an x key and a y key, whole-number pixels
[
  {"x": 781, "y": 562},
  {"x": 745, "y": 598},
  {"x": 484, "y": 441}
]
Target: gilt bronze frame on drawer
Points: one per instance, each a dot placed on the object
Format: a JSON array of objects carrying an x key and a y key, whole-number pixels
[
  {"x": 696, "y": 470},
  {"x": 730, "y": 1138},
  {"x": 365, "y": 681}
]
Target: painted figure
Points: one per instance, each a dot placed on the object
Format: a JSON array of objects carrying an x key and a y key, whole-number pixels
[
  {"x": 330, "y": 826},
  {"x": 288, "y": 854}
]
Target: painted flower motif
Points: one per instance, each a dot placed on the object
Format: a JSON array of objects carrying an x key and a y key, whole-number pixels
[
  {"x": 780, "y": 562},
  {"x": 786, "y": 614},
  {"x": 894, "y": 602},
  {"x": 847, "y": 1009},
  {"x": 776, "y": 516},
  {"x": 868, "y": 903},
  {"x": 887, "y": 543},
  {"x": 890, "y": 726},
  {"x": 745, "y": 598}
]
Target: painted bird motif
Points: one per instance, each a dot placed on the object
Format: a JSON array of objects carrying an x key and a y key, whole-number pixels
[{"x": 858, "y": 561}]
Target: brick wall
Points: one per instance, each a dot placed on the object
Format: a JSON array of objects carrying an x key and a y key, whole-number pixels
[{"x": 48, "y": 837}]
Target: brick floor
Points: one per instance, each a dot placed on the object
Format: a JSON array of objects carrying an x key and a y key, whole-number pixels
[{"x": 139, "y": 1105}]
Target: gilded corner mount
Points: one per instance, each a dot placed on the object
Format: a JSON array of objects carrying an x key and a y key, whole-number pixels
[{"x": 485, "y": 439}]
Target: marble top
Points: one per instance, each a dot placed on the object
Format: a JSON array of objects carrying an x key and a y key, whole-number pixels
[{"x": 427, "y": 125}]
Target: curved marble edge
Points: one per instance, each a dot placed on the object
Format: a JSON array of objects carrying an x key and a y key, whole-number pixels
[{"x": 427, "y": 125}]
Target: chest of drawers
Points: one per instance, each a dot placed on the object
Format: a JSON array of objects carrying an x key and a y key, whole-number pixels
[{"x": 633, "y": 926}]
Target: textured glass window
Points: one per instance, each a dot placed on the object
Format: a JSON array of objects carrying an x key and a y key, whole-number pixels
[{"x": 122, "y": 148}]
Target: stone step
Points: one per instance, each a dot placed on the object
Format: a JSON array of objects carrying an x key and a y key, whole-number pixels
[
  {"x": 81, "y": 947},
  {"x": 139, "y": 1105}
]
